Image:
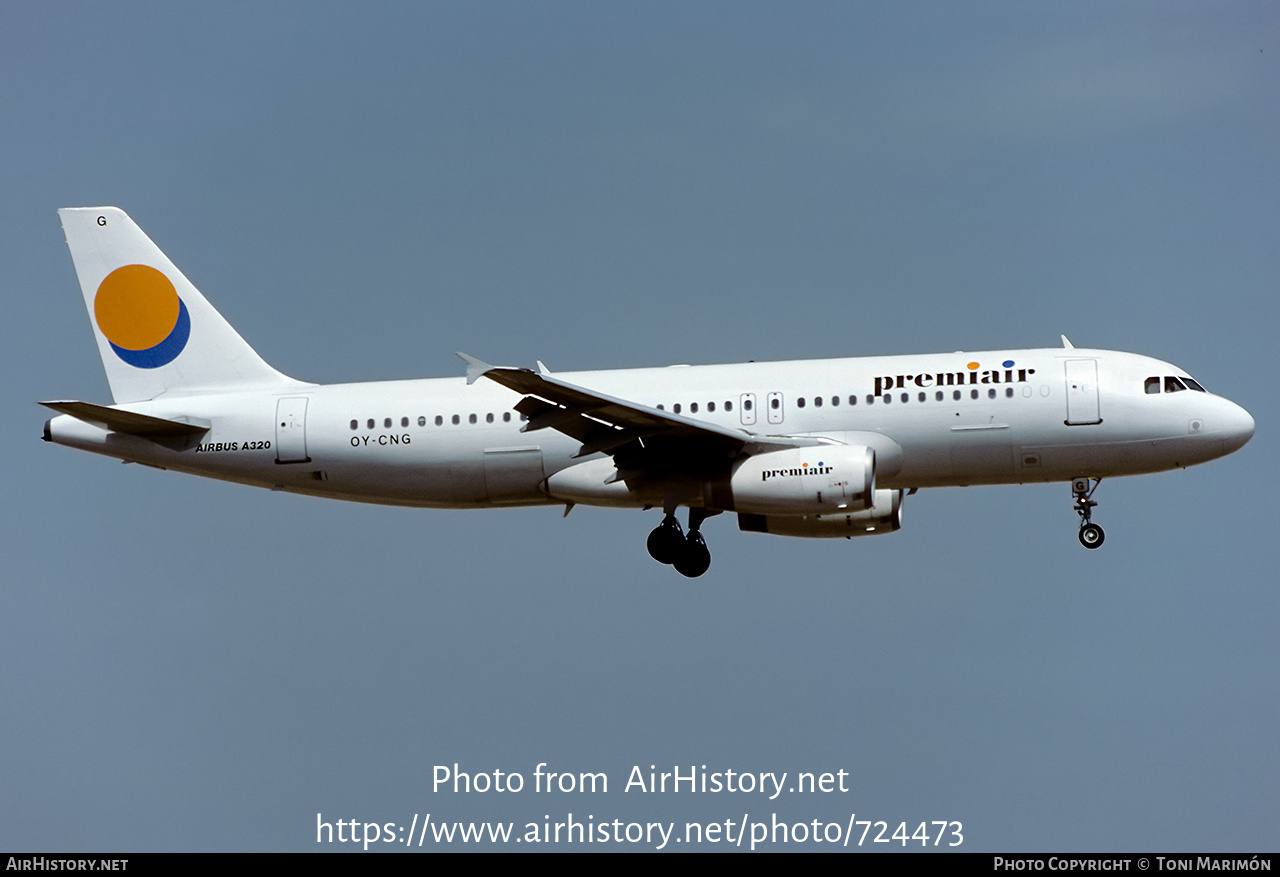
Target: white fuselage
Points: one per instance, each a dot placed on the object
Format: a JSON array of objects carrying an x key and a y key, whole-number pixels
[{"x": 933, "y": 420}]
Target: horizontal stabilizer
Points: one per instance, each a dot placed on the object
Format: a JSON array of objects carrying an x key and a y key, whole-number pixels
[{"x": 127, "y": 421}]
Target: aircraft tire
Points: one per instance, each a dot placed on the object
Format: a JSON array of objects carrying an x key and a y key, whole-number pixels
[
  {"x": 666, "y": 542},
  {"x": 695, "y": 558},
  {"x": 1091, "y": 536}
]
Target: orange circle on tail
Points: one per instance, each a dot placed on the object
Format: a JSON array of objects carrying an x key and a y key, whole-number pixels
[{"x": 136, "y": 307}]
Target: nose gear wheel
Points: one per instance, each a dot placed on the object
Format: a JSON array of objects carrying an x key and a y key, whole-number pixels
[{"x": 1091, "y": 536}]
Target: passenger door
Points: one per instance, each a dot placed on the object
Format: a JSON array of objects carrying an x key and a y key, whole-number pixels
[{"x": 1082, "y": 392}]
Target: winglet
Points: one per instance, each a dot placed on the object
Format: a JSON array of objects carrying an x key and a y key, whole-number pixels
[
  {"x": 476, "y": 368},
  {"x": 542, "y": 369},
  {"x": 1067, "y": 344}
]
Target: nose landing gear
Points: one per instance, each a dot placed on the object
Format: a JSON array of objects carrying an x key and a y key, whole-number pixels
[
  {"x": 688, "y": 554},
  {"x": 1091, "y": 535}
]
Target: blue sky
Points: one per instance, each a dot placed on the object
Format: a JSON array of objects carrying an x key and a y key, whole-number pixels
[{"x": 363, "y": 189}]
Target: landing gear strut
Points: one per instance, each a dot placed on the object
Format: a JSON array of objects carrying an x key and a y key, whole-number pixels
[
  {"x": 688, "y": 554},
  {"x": 1091, "y": 534}
]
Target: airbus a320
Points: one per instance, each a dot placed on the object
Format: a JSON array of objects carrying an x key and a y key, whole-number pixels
[{"x": 814, "y": 448}]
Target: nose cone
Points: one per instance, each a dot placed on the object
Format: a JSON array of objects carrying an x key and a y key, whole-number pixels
[{"x": 1236, "y": 427}]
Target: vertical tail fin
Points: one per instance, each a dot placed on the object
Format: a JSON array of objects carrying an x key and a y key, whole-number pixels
[{"x": 156, "y": 333}]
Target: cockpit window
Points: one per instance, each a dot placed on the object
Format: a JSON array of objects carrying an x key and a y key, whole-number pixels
[{"x": 1171, "y": 384}]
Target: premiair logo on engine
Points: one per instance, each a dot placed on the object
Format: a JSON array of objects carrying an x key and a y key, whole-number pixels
[
  {"x": 974, "y": 374},
  {"x": 805, "y": 469}
]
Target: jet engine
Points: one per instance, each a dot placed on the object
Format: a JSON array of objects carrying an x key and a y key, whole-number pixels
[
  {"x": 830, "y": 479},
  {"x": 884, "y": 516}
]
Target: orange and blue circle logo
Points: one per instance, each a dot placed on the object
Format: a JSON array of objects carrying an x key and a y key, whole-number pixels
[{"x": 142, "y": 316}]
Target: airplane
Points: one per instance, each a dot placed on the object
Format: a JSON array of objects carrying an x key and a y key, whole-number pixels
[{"x": 817, "y": 448}]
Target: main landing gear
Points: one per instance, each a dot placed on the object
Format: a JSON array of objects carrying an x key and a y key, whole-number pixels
[
  {"x": 688, "y": 554},
  {"x": 1091, "y": 534}
]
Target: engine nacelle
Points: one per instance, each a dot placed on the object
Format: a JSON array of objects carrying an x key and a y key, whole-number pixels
[
  {"x": 884, "y": 516},
  {"x": 801, "y": 481}
]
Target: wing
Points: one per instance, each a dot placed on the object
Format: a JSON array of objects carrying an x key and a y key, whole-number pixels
[{"x": 643, "y": 441}]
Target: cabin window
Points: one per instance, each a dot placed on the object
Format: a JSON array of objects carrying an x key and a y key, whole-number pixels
[
  {"x": 676, "y": 408},
  {"x": 693, "y": 408},
  {"x": 747, "y": 404},
  {"x": 817, "y": 401},
  {"x": 799, "y": 402},
  {"x": 853, "y": 400},
  {"x": 775, "y": 403},
  {"x": 404, "y": 421},
  {"x": 1008, "y": 392},
  {"x": 439, "y": 420},
  {"x": 471, "y": 419},
  {"x": 456, "y": 419},
  {"x": 370, "y": 423},
  {"x": 488, "y": 418},
  {"x": 924, "y": 396},
  {"x": 711, "y": 407},
  {"x": 506, "y": 417},
  {"x": 728, "y": 406},
  {"x": 871, "y": 400},
  {"x": 938, "y": 396},
  {"x": 955, "y": 394},
  {"x": 355, "y": 424},
  {"x": 887, "y": 398},
  {"x": 973, "y": 394},
  {"x": 906, "y": 397}
]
